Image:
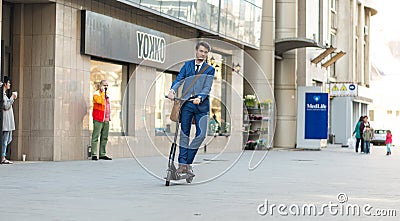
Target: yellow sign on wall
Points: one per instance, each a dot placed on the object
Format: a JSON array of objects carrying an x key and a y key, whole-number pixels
[{"x": 343, "y": 89}]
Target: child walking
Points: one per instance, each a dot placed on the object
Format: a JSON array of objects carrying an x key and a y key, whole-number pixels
[
  {"x": 367, "y": 135},
  {"x": 388, "y": 142}
]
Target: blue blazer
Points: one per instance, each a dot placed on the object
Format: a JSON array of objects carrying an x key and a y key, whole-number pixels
[{"x": 200, "y": 88}]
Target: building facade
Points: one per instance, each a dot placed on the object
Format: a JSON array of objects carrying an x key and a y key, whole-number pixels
[
  {"x": 332, "y": 42},
  {"x": 352, "y": 35},
  {"x": 56, "y": 51}
]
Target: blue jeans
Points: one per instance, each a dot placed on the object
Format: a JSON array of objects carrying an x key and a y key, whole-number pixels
[
  {"x": 388, "y": 147},
  {"x": 366, "y": 147},
  {"x": 7, "y": 138},
  {"x": 187, "y": 151}
]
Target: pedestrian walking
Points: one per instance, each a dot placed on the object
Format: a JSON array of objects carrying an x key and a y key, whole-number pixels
[{"x": 388, "y": 142}]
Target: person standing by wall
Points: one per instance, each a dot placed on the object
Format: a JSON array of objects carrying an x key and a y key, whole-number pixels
[
  {"x": 8, "y": 119},
  {"x": 197, "y": 109},
  {"x": 101, "y": 121}
]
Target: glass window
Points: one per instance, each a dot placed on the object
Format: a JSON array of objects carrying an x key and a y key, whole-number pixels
[
  {"x": 203, "y": 16},
  {"x": 255, "y": 32},
  {"x": 371, "y": 115},
  {"x": 170, "y": 8},
  {"x": 100, "y": 70},
  {"x": 214, "y": 4},
  {"x": 133, "y": 1},
  {"x": 249, "y": 23},
  {"x": 219, "y": 123},
  {"x": 153, "y": 4},
  {"x": 232, "y": 18},
  {"x": 163, "y": 125},
  {"x": 258, "y": 3},
  {"x": 222, "y": 17},
  {"x": 236, "y": 19},
  {"x": 243, "y": 14},
  {"x": 187, "y": 11}
]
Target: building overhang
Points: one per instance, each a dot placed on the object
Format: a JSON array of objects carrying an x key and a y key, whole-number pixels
[
  {"x": 286, "y": 44},
  {"x": 372, "y": 6}
]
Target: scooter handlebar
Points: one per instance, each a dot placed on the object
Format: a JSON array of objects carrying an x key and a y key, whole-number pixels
[{"x": 180, "y": 99}]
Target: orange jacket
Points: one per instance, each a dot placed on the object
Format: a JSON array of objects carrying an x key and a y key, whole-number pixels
[{"x": 99, "y": 106}]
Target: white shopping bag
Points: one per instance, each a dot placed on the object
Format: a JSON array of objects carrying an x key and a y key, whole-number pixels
[{"x": 351, "y": 142}]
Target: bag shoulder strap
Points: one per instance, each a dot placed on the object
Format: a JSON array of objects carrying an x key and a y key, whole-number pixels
[{"x": 195, "y": 79}]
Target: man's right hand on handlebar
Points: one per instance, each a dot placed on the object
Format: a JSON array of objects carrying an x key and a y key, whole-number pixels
[{"x": 171, "y": 95}]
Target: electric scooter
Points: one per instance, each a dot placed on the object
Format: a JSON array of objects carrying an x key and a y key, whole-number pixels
[{"x": 172, "y": 173}]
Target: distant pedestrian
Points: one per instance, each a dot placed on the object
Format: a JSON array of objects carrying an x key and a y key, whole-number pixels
[
  {"x": 388, "y": 142},
  {"x": 362, "y": 129},
  {"x": 8, "y": 119},
  {"x": 367, "y": 135},
  {"x": 357, "y": 132},
  {"x": 101, "y": 121}
]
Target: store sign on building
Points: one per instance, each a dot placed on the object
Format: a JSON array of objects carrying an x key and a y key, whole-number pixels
[
  {"x": 343, "y": 89},
  {"x": 150, "y": 47},
  {"x": 114, "y": 39},
  {"x": 316, "y": 116}
]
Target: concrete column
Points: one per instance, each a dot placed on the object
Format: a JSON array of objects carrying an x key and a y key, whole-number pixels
[
  {"x": 1, "y": 16},
  {"x": 285, "y": 76},
  {"x": 18, "y": 79},
  {"x": 301, "y": 69},
  {"x": 1, "y": 19},
  {"x": 360, "y": 44},
  {"x": 345, "y": 40},
  {"x": 367, "y": 36}
]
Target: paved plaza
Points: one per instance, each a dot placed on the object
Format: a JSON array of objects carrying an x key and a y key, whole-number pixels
[{"x": 126, "y": 189}]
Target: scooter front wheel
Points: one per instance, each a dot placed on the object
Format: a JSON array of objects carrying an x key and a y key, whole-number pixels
[{"x": 168, "y": 178}]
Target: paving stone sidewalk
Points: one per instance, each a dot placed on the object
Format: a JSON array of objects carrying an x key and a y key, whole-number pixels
[{"x": 126, "y": 189}]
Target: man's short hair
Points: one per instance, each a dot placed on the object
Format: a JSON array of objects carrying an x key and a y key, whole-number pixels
[
  {"x": 204, "y": 44},
  {"x": 102, "y": 82}
]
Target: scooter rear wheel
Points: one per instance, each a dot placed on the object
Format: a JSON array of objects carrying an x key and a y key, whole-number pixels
[{"x": 189, "y": 180}]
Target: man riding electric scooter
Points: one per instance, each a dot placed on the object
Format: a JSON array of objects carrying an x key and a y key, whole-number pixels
[{"x": 195, "y": 110}]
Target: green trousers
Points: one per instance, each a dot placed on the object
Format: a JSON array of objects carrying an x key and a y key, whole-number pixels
[{"x": 100, "y": 129}]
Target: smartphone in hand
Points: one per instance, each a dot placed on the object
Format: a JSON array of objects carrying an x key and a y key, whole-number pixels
[{"x": 14, "y": 95}]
